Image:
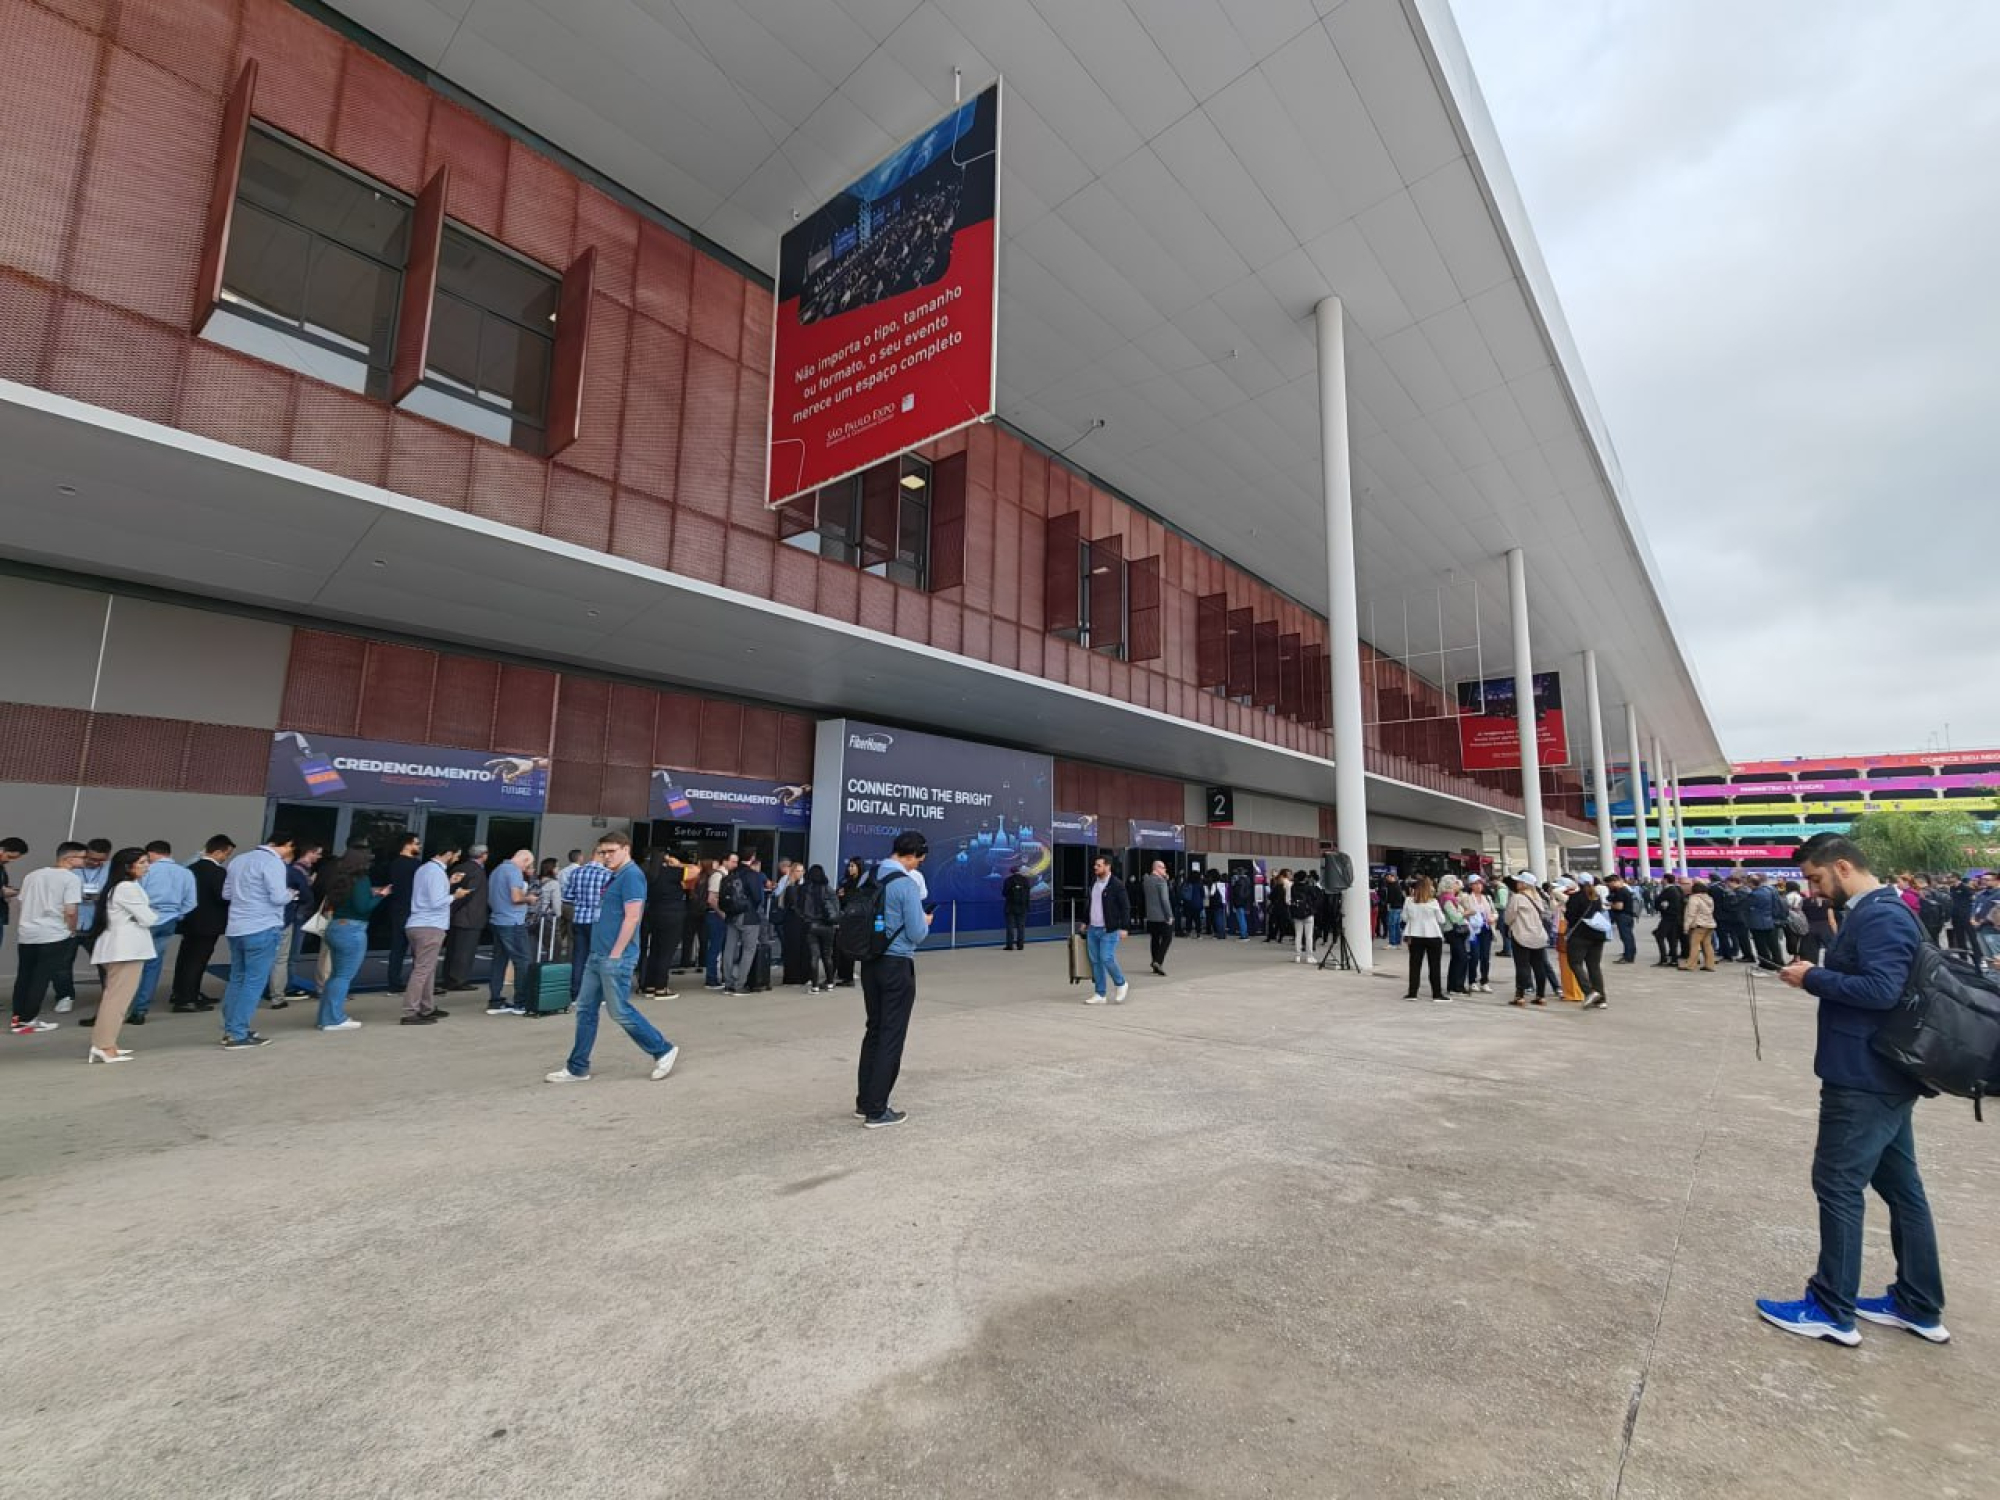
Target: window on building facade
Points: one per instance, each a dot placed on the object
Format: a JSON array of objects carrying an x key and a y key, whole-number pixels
[
  {"x": 878, "y": 520},
  {"x": 492, "y": 340},
  {"x": 314, "y": 268}
]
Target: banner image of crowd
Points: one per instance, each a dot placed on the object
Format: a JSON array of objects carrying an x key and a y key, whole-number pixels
[
  {"x": 986, "y": 812},
  {"x": 884, "y": 334},
  {"x": 1489, "y": 719}
]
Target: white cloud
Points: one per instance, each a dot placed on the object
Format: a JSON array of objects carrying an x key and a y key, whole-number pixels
[{"x": 1773, "y": 228}]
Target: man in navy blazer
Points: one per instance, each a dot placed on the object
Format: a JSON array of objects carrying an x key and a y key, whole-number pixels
[{"x": 1866, "y": 1134}]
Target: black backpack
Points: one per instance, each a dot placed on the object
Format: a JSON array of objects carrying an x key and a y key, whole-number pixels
[
  {"x": 1946, "y": 1032},
  {"x": 733, "y": 898},
  {"x": 862, "y": 932}
]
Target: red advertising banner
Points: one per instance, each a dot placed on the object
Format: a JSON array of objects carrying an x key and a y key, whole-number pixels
[
  {"x": 884, "y": 336},
  {"x": 1489, "y": 737}
]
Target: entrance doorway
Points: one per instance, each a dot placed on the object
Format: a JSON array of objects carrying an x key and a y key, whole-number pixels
[{"x": 384, "y": 828}]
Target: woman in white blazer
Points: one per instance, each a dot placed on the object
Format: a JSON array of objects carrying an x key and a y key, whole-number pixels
[{"x": 124, "y": 947}]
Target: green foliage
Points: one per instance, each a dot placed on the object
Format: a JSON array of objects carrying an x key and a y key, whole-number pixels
[{"x": 1921, "y": 842}]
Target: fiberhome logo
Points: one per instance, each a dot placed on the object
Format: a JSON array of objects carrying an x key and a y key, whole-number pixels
[{"x": 879, "y": 743}]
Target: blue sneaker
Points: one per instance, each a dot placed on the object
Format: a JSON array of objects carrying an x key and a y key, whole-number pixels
[
  {"x": 1887, "y": 1311},
  {"x": 1807, "y": 1319}
]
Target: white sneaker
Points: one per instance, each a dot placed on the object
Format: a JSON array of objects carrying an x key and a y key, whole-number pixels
[
  {"x": 1440, "y": 999},
  {"x": 1118, "y": 995},
  {"x": 563, "y": 1075},
  {"x": 350, "y": 1024},
  {"x": 664, "y": 1063},
  {"x": 1093, "y": 999},
  {"x": 40, "y": 1025},
  {"x": 64, "y": 1007}
]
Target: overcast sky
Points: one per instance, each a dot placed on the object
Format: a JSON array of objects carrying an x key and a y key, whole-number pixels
[{"x": 1775, "y": 231}]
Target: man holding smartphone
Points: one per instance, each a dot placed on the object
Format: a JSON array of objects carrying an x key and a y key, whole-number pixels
[{"x": 1866, "y": 1134}]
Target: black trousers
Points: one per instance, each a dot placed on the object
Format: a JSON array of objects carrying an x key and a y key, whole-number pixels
[
  {"x": 819, "y": 944},
  {"x": 1162, "y": 934},
  {"x": 663, "y": 945},
  {"x": 461, "y": 950},
  {"x": 1739, "y": 942},
  {"x": 889, "y": 991},
  {"x": 693, "y": 937},
  {"x": 40, "y": 964},
  {"x": 1672, "y": 942},
  {"x": 1768, "y": 947},
  {"x": 1426, "y": 951},
  {"x": 1017, "y": 929},
  {"x": 1961, "y": 937},
  {"x": 1586, "y": 958},
  {"x": 191, "y": 966}
]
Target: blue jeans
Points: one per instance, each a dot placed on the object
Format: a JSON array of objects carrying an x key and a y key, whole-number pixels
[
  {"x": 149, "y": 977},
  {"x": 1102, "y": 944},
  {"x": 250, "y": 959},
  {"x": 1395, "y": 927},
  {"x": 611, "y": 979},
  {"x": 346, "y": 938},
  {"x": 510, "y": 946},
  {"x": 1242, "y": 922},
  {"x": 1868, "y": 1140},
  {"x": 1627, "y": 943},
  {"x": 718, "y": 935},
  {"x": 1479, "y": 957}
]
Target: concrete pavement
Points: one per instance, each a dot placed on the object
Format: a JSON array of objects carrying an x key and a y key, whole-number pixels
[{"x": 1261, "y": 1232}]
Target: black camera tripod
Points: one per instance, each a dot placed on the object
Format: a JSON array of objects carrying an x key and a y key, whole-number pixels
[{"x": 1338, "y": 954}]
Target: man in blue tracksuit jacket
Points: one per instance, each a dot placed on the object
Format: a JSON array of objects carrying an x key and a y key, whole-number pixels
[{"x": 1866, "y": 1135}]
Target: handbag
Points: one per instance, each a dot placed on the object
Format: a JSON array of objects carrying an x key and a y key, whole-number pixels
[
  {"x": 1599, "y": 921},
  {"x": 317, "y": 924}
]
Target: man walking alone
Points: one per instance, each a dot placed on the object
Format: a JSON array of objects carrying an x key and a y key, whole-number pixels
[
  {"x": 1159, "y": 897},
  {"x": 614, "y": 954},
  {"x": 1866, "y": 1134}
]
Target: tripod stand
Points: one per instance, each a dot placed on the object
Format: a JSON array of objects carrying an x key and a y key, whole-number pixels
[{"x": 1338, "y": 954}]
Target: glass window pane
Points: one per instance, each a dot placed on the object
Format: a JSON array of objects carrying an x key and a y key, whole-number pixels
[
  {"x": 266, "y": 265},
  {"x": 497, "y": 283},
  {"x": 914, "y": 534},
  {"x": 513, "y": 367},
  {"x": 454, "y": 351},
  {"x": 300, "y": 187},
  {"x": 352, "y": 301}
]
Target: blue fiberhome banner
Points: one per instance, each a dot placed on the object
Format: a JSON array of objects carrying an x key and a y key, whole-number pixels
[
  {"x": 985, "y": 811},
  {"x": 382, "y": 773},
  {"x": 696, "y": 797}
]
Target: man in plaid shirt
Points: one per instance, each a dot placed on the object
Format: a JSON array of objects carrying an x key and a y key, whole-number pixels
[{"x": 583, "y": 893}]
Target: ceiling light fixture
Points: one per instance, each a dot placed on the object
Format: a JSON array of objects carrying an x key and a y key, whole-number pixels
[
  {"x": 65, "y": 489},
  {"x": 913, "y": 481},
  {"x": 380, "y": 562}
]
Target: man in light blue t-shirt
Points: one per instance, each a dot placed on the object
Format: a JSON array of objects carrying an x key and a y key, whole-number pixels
[
  {"x": 509, "y": 900},
  {"x": 614, "y": 953}
]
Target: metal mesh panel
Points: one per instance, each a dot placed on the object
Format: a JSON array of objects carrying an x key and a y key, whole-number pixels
[
  {"x": 195, "y": 39},
  {"x": 642, "y": 528},
  {"x": 1107, "y": 592},
  {"x": 236, "y": 399},
  {"x": 913, "y": 614},
  {"x": 948, "y": 501},
  {"x": 656, "y": 388},
  {"x": 111, "y": 358},
  {"x": 323, "y": 682},
  {"x": 381, "y": 122},
  {"x": 677, "y": 730},
  {"x": 1060, "y": 561},
  {"x": 759, "y": 312},
  {"x": 978, "y": 637},
  {"x": 477, "y": 156},
  {"x": 396, "y": 687},
  {"x": 697, "y": 546},
  {"x": 524, "y": 720},
  {"x": 947, "y": 626},
  {"x": 44, "y": 113},
  {"x": 601, "y": 412},
  {"x": 747, "y": 471},
  {"x": 750, "y": 563},
  {"x": 1291, "y": 677},
  {"x": 538, "y": 212},
  {"x": 997, "y": 567},
  {"x": 717, "y": 307},
  {"x": 226, "y": 760},
  {"x": 339, "y": 432},
  {"x": 463, "y": 701},
  {"x": 625, "y": 793},
  {"x": 298, "y": 69},
  {"x": 760, "y": 743},
  {"x": 721, "y": 746},
  {"x": 27, "y": 309},
  {"x": 666, "y": 275},
  {"x": 840, "y": 594},
  {"x": 582, "y": 704},
  {"x": 579, "y": 508},
  {"x": 430, "y": 462},
  {"x": 130, "y": 750},
  {"x": 628, "y": 731},
  {"x": 1265, "y": 673},
  {"x": 708, "y": 432},
  {"x": 614, "y": 233},
  {"x": 1240, "y": 625},
  {"x": 507, "y": 486},
  {"x": 878, "y": 604},
  {"x": 795, "y": 748},
  {"x": 43, "y": 744},
  {"x": 575, "y": 786}
]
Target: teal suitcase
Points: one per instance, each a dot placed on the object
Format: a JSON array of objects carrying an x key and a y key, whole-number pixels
[{"x": 545, "y": 992}]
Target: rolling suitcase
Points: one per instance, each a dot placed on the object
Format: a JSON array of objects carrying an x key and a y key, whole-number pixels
[
  {"x": 1079, "y": 958},
  {"x": 544, "y": 990}
]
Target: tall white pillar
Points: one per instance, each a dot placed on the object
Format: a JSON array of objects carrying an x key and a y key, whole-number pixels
[
  {"x": 1681, "y": 819},
  {"x": 1638, "y": 791},
  {"x": 1524, "y": 713},
  {"x": 1600, "y": 789},
  {"x": 1343, "y": 624},
  {"x": 1666, "y": 843}
]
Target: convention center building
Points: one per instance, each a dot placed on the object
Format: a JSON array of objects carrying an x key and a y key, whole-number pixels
[{"x": 774, "y": 423}]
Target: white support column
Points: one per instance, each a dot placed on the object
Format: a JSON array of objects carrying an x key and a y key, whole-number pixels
[
  {"x": 1600, "y": 788},
  {"x": 1638, "y": 779},
  {"x": 1524, "y": 714},
  {"x": 1681, "y": 821},
  {"x": 1343, "y": 624},
  {"x": 1666, "y": 843}
]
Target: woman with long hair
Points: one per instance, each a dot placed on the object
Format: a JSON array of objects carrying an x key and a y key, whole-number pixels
[
  {"x": 351, "y": 899},
  {"x": 666, "y": 916},
  {"x": 1481, "y": 918},
  {"x": 1423, "y": 935},
  {"x": 819, "y": 909},
  {"x": 124, "y": 947},
  {"x": 1699, "y": 921},
  {"x": 856, "y": 875}
]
